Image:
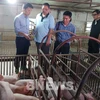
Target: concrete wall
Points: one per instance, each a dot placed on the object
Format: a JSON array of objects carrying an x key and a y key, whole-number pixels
[{"x": 8, "y": 12}]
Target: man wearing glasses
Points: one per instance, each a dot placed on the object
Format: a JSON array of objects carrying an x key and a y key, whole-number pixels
[{"x": 93, "y": 46}]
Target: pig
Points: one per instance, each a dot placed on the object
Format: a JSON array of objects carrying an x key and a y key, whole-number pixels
[
  {"x": 20, "y": 89},
  {"x": 89, "y": 96},
  {"x": 7, "y": 94},
  {"x": 83, "y": 96},
  {"x": 24, "y": 97},
  {"x": 11, "y": 79},
  {"x": 5, "y": 91},
  {"x": 23, "y": 82},
  {"x": 67, "y": 94}
]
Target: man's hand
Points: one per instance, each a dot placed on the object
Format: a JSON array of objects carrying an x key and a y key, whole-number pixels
[
  {"x": 31, "y": 37},
  {"x": 27, "y": 36},
  {"x": 49, "y": 37},
  {"x": 48, "y": 43}
]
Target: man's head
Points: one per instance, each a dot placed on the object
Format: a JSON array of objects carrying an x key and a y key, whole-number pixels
[
  {"x": 96, "y": 14},
  {"x": 27, "y": 8},
  {"x": 67, "y": 17},
  {"x": 45, "y": 8}
]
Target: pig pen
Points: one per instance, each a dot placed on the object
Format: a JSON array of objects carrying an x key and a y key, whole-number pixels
[
  {"x": 74, "y": 72},
  {"x": 75, "y": 68}
]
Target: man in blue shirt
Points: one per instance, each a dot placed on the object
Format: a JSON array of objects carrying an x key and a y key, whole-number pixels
[
  {"x": 44, "y": 26},
  {"x": 21, "y": 26},
  {"x": 62, "y": 36}
]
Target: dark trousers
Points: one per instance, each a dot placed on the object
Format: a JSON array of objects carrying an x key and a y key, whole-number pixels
[
  {"x": 45, "y": 50},
  {"x": 93, "y": 46},
  {"x": 22, "y": 47},
  {"x": 64, "y": 49}
]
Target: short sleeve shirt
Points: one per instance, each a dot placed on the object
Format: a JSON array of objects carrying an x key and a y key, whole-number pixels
[
  {"x": 43, "y": 25},
  {"x": 62, "y": 36}
]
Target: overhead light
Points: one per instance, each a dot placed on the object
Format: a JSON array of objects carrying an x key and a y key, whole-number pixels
[{"x": 12, "y": 1}]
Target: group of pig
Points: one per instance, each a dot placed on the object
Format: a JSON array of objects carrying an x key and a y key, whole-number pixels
[{"x": 11, "y": 88}]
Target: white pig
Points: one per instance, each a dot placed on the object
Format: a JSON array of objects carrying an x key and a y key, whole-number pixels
[
  {"x": 24, "y": 97},
  {"x": 5, "y": 91}
]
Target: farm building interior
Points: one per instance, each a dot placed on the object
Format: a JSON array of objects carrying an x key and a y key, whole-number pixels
[{"x": 72, "y": 76}]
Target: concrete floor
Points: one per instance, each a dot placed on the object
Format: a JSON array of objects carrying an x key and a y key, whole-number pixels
[{"x": 8, "y": 48}]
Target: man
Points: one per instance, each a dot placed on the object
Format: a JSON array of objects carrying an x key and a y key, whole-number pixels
[
  {"x": 44, "y": 26},
  {"x": 21, "y": 25},
  {"x": 93, "y": 46},
  {"x": 62, "y": 36}
]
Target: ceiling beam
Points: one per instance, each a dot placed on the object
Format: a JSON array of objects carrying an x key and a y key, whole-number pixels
[
  {"x": 57, "y": 6},
  {"x": 79, "y": 2}
]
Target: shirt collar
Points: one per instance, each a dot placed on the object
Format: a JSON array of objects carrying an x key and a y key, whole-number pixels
[
  {"x": 43, "y": 17},
  {"x": 67, "y": 25},
  {"x": 24, "y": 15}
]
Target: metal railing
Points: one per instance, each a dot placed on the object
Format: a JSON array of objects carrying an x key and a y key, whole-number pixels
[
  {"x": 7, "y": 66},
  {"x": 76, "y": 66}
]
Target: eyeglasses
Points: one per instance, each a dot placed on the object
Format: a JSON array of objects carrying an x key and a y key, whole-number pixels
[{"x": 94, "y": 14}]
